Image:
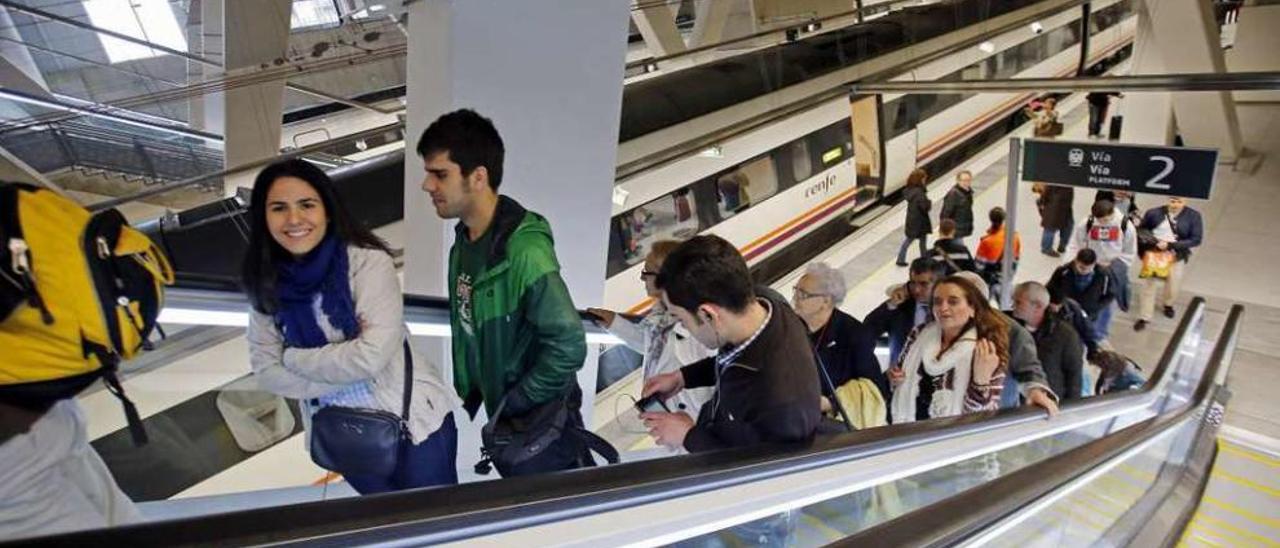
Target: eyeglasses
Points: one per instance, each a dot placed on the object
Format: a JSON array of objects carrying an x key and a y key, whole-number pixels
[
  {"x": 648, "y": 274},
  {"x": 801, "y": 294}
]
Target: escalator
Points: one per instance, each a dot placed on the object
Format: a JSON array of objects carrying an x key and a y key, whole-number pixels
[{"x": 1115, "y": 469}]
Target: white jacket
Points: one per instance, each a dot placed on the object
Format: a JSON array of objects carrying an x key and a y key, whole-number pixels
[
  {"x": 1111, "y": 238},
  {"x": 377, "y": 355},
  {"x": 681, "y": 349}
]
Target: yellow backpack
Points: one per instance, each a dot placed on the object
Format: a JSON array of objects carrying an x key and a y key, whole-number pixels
[{"x": 79, "y": 292}]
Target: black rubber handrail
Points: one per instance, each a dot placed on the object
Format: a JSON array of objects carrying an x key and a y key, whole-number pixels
[
  {"x": 491, "y": 507},
  {"x": 963, "y": 516}
]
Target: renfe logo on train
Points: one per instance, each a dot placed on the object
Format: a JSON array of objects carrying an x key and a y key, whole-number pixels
[
  {"x": 821, "y": 187},
  {"x": 1172, "y": 171}
]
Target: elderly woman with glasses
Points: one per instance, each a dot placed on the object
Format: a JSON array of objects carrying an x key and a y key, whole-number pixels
[{"x": 843, "y": 345}]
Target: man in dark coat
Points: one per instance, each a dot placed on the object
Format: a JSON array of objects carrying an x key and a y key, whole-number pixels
[
  {"x": 958, "y": 205},
  {"x": 1057, "y": 345},
  {"x": 1056, "y": 217}
]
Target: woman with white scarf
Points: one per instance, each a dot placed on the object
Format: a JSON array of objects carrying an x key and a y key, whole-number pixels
[{"x": 955, "y": 364}]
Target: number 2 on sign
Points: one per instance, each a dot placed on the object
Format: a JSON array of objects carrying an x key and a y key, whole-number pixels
[{"x": 1154, "y": 182}]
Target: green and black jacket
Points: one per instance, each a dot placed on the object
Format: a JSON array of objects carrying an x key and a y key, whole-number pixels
[{"x": 527, "y": 330}]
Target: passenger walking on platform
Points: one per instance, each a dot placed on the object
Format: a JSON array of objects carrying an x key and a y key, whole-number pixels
[
  {"x": 955, "y": 364},
  {"x": 1114, "y": 239},
  {"x": 1057, "y": 345},
  {"x": 958, "y": 205},
  {"x": 1056, "y": 217},
  {"x": 1044, "y": 118},
  {"x": 918, "y": 226},
  {"x": 517, "y": 339},
  {"x": 1174, "y": 230},
  {"x": 1125, "y": 202},
  {"x": 1088, "y": 283},
  {"x": 842, "y": 343},
  {"x": 1099, "y": 101},
  {"x": 764, "y": 373},
  {"x": 951, "y": 251},
  {"x": 327, "y": 325},
  {"x": 906, "y": 308},
  {"x": 665, "y": 345},
  {"x": 990, "y": 255}
]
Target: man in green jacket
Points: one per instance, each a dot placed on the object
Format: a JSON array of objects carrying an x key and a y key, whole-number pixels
[{"x": 516, "y": 333}]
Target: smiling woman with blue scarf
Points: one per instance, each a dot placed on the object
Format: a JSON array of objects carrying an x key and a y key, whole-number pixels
[{"x": 327, "y": 328}]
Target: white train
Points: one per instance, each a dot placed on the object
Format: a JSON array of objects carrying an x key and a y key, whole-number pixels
[{"x": 820, "y": 167}]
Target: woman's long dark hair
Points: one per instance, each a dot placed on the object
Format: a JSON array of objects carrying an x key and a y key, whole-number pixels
[{"x": 258, "y": 273}]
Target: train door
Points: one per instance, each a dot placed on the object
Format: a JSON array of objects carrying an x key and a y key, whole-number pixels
[{"x": 868, "y": 149}]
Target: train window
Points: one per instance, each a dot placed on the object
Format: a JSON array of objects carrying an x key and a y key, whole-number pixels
[
  {"x": 759, "y": 181},
  {"x": 801, "y": 165},
  {"x": 831, "y": 144},
  {"x": 670, "y": 217}
]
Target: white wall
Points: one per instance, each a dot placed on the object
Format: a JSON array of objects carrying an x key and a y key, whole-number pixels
[{"x": 1255, "y": 49}]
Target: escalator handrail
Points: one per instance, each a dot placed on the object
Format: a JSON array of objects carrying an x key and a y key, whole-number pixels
[
  {"x": 958, "y": 518},
  {"x": 490, "y": 507}
]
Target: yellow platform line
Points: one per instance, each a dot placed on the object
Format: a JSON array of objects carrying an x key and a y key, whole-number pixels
[
  {"x": 1204, "y": 535},
  {"x": 1269, "y": 491},
  {"x": 1271, "y": 523},
  {"x": 1204, "y": 520},
  {"x": 1248, "y": 454}
]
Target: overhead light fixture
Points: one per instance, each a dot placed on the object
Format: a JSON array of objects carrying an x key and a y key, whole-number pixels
[
  {"x": 377, "y": 8},
  {"x": 712, "y": 152},
  {"x": 1037, "y": 28},
  {"x": 813, "y": 27},
  {"x": 620, "y": 196},
  {"x": 650, "y": 67},
  {"x": 361, "y": 145},
  {"x": 987, "y": 47}
]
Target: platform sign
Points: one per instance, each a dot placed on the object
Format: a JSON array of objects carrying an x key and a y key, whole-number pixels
[{"x": 1171, "y": 171}]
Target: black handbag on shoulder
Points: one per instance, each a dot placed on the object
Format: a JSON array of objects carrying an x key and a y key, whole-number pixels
[
  {"x": 547, "y": 438},
  {"x": 354, "y": 441}
]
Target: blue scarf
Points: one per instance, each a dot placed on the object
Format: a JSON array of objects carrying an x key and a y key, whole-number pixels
[{"x": 323, "y": 271}]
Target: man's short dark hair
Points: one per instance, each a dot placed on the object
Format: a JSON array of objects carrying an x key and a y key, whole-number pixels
[
  {"x": 996, "y": 216},
  {"x": 471, "y": 141},
  {"x": 1103, "y": 208},
  {"x": 925, "y": 265},
  {"x": 706, "y": 270},
  {"x": 947, "y": 226},
  {"x": 1087, "y": 256}
]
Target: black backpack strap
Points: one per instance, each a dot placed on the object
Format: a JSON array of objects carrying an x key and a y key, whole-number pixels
[
  {"x": 598, "y": 444},
  {"x": 408, "y": 382}
]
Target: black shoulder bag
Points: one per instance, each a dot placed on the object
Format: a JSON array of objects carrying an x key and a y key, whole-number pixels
[
  {"x": 543, "y": 440},
  {"x": 354, "y": 441}
]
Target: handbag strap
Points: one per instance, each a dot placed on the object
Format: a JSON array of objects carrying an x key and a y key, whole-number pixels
[{"x": 408, "y": 381}]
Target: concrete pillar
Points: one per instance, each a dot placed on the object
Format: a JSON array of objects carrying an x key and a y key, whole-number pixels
[
  {"x": 195, "y": 69},
  {"x": 256, "y": 34},
  {"x": 1184, "y": 36},
  {"x": 557, "y": 105},
  {"x": 657, "y": 24},
  {"x": 709, "y": 21},
  {"x": 18, "y": 70}
]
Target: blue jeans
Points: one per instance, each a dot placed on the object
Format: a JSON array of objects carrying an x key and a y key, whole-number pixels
[
  {"x": 902, "y": 251},
  {"x": 1102, "y": 322},
  {"x": 432, "y": 462},
  {"x": 1046, "y": 238},
  {"x": 1009, "y": 398}
]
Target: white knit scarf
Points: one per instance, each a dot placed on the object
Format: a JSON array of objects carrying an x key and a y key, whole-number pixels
[{"x": 923, "y": 353}]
